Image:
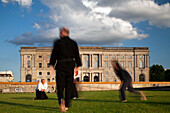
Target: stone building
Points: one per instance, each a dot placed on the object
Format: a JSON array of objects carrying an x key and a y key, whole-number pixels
[
  {"x": 6, "y": 76},
  {"x": 96, "y": 63}
]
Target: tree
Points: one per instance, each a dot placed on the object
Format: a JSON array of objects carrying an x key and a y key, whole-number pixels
[
  {"x": 167, "y": 75},
  {"x": 157, "y": 73}
]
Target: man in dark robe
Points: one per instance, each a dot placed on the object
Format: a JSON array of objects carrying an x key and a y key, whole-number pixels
[{"x": 64, "y": 58}]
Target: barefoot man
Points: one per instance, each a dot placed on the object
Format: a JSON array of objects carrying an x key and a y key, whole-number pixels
[
  {"x": 64, "y": 58},
  {"x": 126, "y": 81}
]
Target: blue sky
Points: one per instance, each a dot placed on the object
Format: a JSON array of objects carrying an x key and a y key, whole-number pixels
[{"x": 118, "y": 23}]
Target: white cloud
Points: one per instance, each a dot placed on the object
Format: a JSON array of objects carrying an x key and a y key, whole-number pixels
[
  {"x": 23, "y": 3},
  {"x": 4, "y": 1},
  {"x": 90, "y": 24},
  {"x": 37, "y": 26},
  {"x": 140, "y": 10},
  {"x": 99, "y": 22}
]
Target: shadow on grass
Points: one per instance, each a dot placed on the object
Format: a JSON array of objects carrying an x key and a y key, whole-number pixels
[
  {"x": 93, "y": 100},
  {"x": 30, "y": 106},
  {"x": 31, "y": 98},
  {"x": 144, "y": 102},
  {"x": 151, "y": 103}
]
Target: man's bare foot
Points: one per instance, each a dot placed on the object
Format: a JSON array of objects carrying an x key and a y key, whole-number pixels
[
  {"x": 62, "y": 106},
  {"x": 124, "y": 100},
  {"x": 143, "y": 97},
  {"x": 66, "y": 108}
]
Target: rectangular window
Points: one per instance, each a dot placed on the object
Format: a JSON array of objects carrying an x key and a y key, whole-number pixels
[
  {"x": 28, "y": 64},
  {"x": 86, "y": 63},
  {"x": 40, "y": 65},
  {"x": 85, "y": 56},
  {"x": 141, "y": 64},
  {"x": 106, "y": 65},
  {"x": 114, "y": 56},
  {"x": 48, "y": 56},
  {"x": 40, "y": 73},
  {"x": 106, "y": 57},
  {"x": 28, "y": 56},
  {"x": 96, "y": 64},
  {"x": 48, "y": 65},
  {"x": 130, "y": 56},
  {"x": 95, "y": 56},
  {"x": 107, "y": 76},
  {"x": 122, "y": 56},
  {"x": 130, "y": 65},
  {"x": 40, "y": 56},
  {"x": 48, "y": 73},
  {"x": 122, "y": 64},
  {"x": 141, "y": 57}
]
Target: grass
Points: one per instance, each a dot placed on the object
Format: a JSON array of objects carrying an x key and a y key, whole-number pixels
[{"x": 89, "y": 102}]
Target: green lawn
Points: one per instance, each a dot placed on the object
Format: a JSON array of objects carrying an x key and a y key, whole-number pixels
[{"x": 89, "y": 102}]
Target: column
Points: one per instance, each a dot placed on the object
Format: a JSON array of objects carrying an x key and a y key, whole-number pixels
[
  {"x": 32, "y": 61},
  {"x": 81, "y": 76},
  {"x": 136, "y": 61},
  {"x": 92, "y": 79},
  {"x": 144, "y": 61},
  {"x": 82, "y": 60},
  {"x": 147, "y": 60},
  {"x": 101, "y": 59},
  {"x": 22, "y": 61},
  {"x": 101, "y": 77},
  {"x": 91, "y": 60}
]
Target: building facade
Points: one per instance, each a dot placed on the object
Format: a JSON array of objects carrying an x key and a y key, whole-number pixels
[
  {"x": 6, "y": 76},
  {"x": 96, "y": 63}
]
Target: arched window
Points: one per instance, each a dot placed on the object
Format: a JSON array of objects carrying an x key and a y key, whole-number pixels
[
  {"x": 141, "y": 64},
  {"x": 96, "y": 79},
  {"x": 53, "y": 80},
  {"x": 28, "y": 78},
  {"x": 86, "y": 79},
  {"x": 107, "y": 76},
  {"x": 28, "y": 64},
  {"x": 141, "y": 78},
  {"x": 38, "y": 80},
  {"x": 48, "y": 80}
]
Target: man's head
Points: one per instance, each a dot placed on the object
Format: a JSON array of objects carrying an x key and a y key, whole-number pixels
[
  {"x": 115, "y": 65},
  {"x": 42, "y": 81},
  {"x": 64, "y": 31}
]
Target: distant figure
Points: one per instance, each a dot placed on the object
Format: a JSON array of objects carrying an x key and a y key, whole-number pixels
[
  {"x": 28, "y": 81},
  {"x": 40, "y": 90},
  {"x": 64, "y": 58},
  {"x": 126, "y": 81}
]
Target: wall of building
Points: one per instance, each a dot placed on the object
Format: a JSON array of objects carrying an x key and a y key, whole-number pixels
[
  {"x": 100, "y": 56},
  {"x": 25, "y": 87}
]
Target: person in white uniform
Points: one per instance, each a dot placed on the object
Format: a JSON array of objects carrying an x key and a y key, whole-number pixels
[{"x": 40, "y": 90}]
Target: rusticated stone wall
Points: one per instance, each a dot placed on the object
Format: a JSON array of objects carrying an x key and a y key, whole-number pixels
[{"x": 29, "y": 87}]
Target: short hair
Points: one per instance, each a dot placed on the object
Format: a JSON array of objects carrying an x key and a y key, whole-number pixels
[
  {"x": 117, "y": 64},
  {"x": 65, "y": 29},
  {"x": 42, "y": 80}
]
